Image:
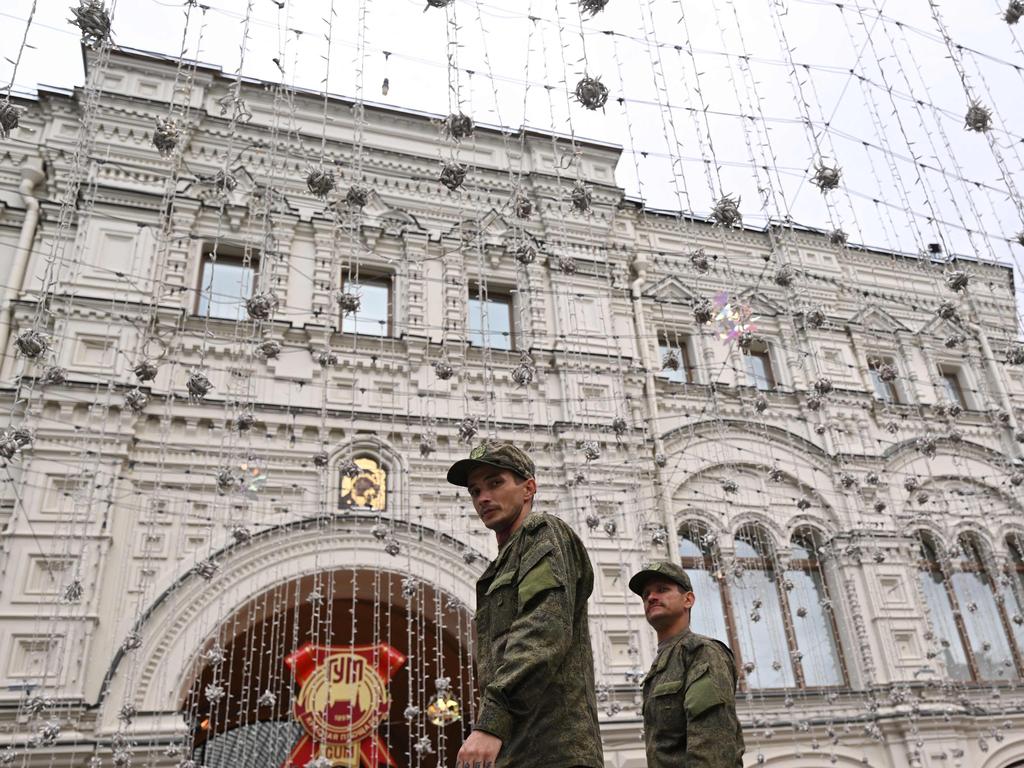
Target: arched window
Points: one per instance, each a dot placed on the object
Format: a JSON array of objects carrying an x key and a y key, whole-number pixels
[
  {"x": 763, "y": 635},
  {"x": 819, "y": 660},
  {"x": 1013, "y": 588},
  {"x": 947, "y": 627},
  {"x": 779, "y": 626},
  {"x": 984, "y": 619},
  {"x": 708, "y": 614}
]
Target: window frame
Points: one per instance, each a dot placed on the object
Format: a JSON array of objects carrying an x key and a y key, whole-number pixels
[
  {"x": 768, "y": 562},
  {"x": 682, "y": 343},
  {"x": 762, "y": 351},
  {"x": 1015, "y": 563},
  {"x": 218, "y": 253},
  {"x": 1014, "y": 569},
  {"x": 693, "y": 531},
  {"x": 480, "y": 291},
  {"x": 976, "y": 564},
  {"x": 953, "y": 374},
  {"x": 891, "y": 387},
  {"x": 386, "y": 279},
  {"x": 936, "y": 565},
  {"x": 812, "y": 565}
]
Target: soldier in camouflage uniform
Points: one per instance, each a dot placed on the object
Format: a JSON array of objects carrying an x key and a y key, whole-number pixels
[
  {"x": 690, "y": 693},
  {"x": 534, "y": 662}
]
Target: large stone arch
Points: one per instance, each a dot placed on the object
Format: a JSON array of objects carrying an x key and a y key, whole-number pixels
[
  {"x": 177, "y": 626},
  {"x": 1009, "y": 754},
  {"x": 779, "y": 521},
  {"x": 738, "y": 443},
  {"x": 965, "y": 464},
  {"x": 786, "y": 760},
  {"x": 966, "y": 457}
]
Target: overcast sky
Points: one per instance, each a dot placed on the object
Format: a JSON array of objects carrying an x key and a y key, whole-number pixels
[{"x": 518, "y": 61}]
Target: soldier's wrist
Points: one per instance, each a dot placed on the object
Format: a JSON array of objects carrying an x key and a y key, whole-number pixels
[{"x": 495, "y": 721}]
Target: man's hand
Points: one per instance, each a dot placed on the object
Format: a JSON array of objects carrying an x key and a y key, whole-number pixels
[{"x": 480, "y": 750}]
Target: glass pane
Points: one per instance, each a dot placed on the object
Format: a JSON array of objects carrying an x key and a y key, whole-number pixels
[
  {"x": 677, "y": 375},
  {"x": 943, "y": 625},
  {"x": 225, "y": 287},
  {"x": 762, "y": 642},
  {"x": 759, "y": 370},
  {"x": 815, "y": 638},
  {"x": 883, "y": 390},
  {"x": 954, "y": 392},
  {"x": 745, "y": 548},
  {"x": 689, "y": 546},
  {"x": 984, "y": 627},
  {"x": 1014, "y": 545},
  {"x": 372, "y": 317},
  {"x": 1014, "y": 608},
  {"x": 800, "y": 550},
  {"x": 707, "y": 617},
  {"x": 928, "y": 550},
  {"x": 490, "y": 322}
]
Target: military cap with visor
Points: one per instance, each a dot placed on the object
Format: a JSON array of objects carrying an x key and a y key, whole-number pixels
[
  {"x": 492, "y": 454},
  {"x": 660, "y": 570}
]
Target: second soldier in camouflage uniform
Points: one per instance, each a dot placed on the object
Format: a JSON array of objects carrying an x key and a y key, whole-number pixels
[
  {"x": 690, "y": 693},
  {"x": 534, "y": 660}
]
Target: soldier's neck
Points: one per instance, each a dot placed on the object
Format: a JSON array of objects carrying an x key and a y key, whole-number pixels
[
  {"x": 503, "y": 536},
  {"x": 673, "y": 630}
]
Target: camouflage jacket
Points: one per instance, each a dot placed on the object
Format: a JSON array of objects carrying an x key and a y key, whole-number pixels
[
  {"x": 690, "y": 706},
  {"x": 534, "y": 660}
]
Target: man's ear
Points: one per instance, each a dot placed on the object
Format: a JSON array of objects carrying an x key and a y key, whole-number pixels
[
  {"x": 531, "y": 489},
  {"x": 689, "y": 599}
]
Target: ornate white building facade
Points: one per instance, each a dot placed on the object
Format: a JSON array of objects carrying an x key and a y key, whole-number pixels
[{"x": 842, "y": 482}]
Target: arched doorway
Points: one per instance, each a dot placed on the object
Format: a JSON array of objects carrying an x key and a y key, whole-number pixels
[{"x": 240, "y": 707}]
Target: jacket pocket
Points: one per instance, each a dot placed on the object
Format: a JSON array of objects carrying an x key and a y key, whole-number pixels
[
  {"x": 701, "y": 691},
  {"x": 667, "y": 688},
  {"x": 666, "y": 710},
  {"x": 501, "y": 604}
]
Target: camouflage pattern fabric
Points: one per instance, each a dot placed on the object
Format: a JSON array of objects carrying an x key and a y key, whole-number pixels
[
  {"x": 690, "y": 706},
  {"x": 493, "y": 454},
  {"x": 534, "y": 660}
]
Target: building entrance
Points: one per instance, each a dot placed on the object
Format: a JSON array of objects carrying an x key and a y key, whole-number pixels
[{"x": 355, "y": 667}]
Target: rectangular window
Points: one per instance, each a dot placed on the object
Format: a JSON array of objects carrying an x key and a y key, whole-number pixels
[
  {"x": 490, "y": 319},
  {"x": 226, "y": 283},
  {"x": 675, "y": 361},
  {"x": 373, "y": 318},
  {"x": 882, "y": 368},
  {"x": 953, "y": 386},
  {"x": 759, "y": 367}
]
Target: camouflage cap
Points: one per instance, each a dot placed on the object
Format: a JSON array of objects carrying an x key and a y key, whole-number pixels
[
  {"x": 663, "y": 570},
  {"x": 493, "y": 454}
]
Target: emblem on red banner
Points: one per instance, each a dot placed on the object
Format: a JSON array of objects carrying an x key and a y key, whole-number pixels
[{"x": 341, "y": 701}]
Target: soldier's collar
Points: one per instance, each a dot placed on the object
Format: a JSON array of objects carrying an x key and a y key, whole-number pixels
[
  {"x": 683, "y": 637},
  {"x": 534, "y": 520},
  {"x": 508, "y": 547}
]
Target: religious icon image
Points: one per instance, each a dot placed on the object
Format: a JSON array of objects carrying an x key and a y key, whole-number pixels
[{"x": 365, "y": 490}]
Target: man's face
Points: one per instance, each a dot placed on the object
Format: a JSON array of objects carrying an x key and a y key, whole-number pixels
[
  {"x": 499, "y": 496},
  {"x": 665, "y": 603}
]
